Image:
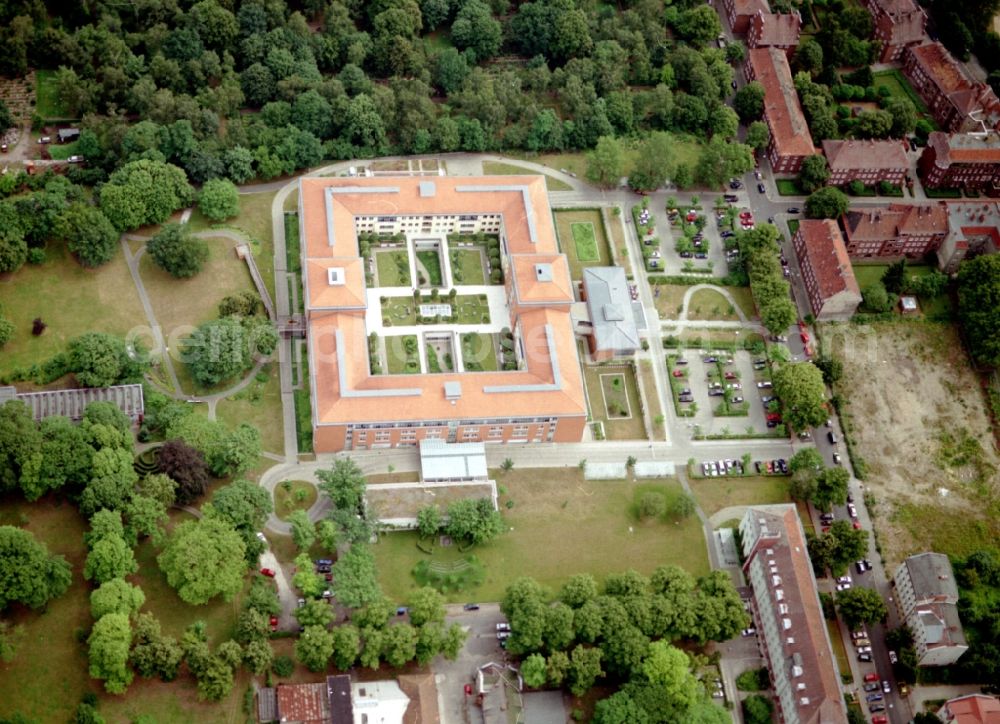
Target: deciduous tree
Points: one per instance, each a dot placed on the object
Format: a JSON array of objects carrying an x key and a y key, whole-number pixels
[
  {"x": 88, "y": 233},
  {"x": 827, "y": 203},
  {"x": 204, "y": 559},
  {"x": 355, "y": 580},
  {"x": 116, "y": 596},
  {"x": 314, "y": 648},
  {"x": 108, "y": 654},
  {"x": 861, "y": 605},
  {"x": 303, "y": 530},
  {"x": 28, "y": 574},
  {"x": 606, "y": 163},
  {"x": 978, "y": 290},
  {"x": 177, "y": 251},
  {"x": 144, "y": 192},
  {"x": 186, "y": 466},
  {"x": 109, "y": 558},
  {"x": 749, "y": 102},
  {"x": 219, "y": 199},
  {"x": 802, "y": 393}
]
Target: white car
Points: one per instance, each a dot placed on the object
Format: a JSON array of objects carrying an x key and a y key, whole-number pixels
[
  {"x": 843, "y": 586},
  {"x": 503, "y": 627},
  {"x": 749, "y": 631},
  {"x": 893, "y": 659},
  {"x": 844, "y": 579},
  {"x": 836, "y": 459},
  {"x": 864, "y": 649}
]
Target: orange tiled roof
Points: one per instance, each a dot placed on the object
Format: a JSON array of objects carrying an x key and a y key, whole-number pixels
[
  {"x": 303, "y": 703},
  {"x": 345, "y": 391},
  {"x": 789, "y": 129},
  {"x": 779, "y": 30},
  {"x": 864, "y": 154},
  {"x": 974, "y": 709}
]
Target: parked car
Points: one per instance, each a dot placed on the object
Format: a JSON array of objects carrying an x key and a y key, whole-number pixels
[
  {"x": 872, "y": 686},
  {"x": 749, "y": 631},
  {"x": 680, "y": 361},
  {"x": 865, "y": 657},
  {"x": 765, "y": 385},
  {"x": 267, "y": 572},
  {"x": 877, "y": 706},
  {"x": 274, "y": 623},
  {"x": 864, "y": 649},
  {"x": 836, "y": 459},
  {"x": 844, "y": 579},
  {"x": 794, "y": 210},
  {"x": 862, "y": 642},
  {"x": 701, "y": 255},
  {"x": 402, "y": 611},
  {"x": 503, "y": 626},
  {"x": 893, "y": 659},
  {"x": 685, "y": 398},
  {"x": 261, "y": 538},
  {"x": 871, "y": 677},
  {"x": 736, "y": 400},
  {"x": 686, "y": 254},
  {"x": 678, "y": 373},
  {"x": 832, "y": 437},
  {"x": 877, "y": 696},
  {"x": 75, "y": 159},
  {"x": 760, "y": 188},
  {"x": 843, "y": 586},
  {"x": 880, "y": 719}
]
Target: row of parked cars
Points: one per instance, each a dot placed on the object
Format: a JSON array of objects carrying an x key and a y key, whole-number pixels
[{"x": 715, "y": 468}]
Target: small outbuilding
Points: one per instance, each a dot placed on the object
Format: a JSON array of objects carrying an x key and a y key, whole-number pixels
[
  {"x": 68, "y": 135},
  {"x": 613, "y": 332}
]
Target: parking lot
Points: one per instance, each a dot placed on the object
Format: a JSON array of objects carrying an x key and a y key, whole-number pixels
[
  {"x": 695, "y": 378},
  {"x": 669, "y": 261}
]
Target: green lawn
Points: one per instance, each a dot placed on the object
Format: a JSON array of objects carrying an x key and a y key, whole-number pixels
[
  {"x": 788, "y": 187},
  {"x": 499, "y": 168},
  {"x": 943, "y": 193},
  {"x": 714, "y": 494},
  {"x": 870, "y": 273},
  {"x": 47, "y": 103},
  {"x": 431, "y": 261},
  {"x": 958, "y": 541},
  {"x": 298, "y": 495},
  {"x": 570, "y": 224},
  {"x": 62, "y": 151},
  {"x": 399, "y": 361},
  {"x": 710, "y": 304},
  {"x": 434, "y": 364},
  {"x": 293, "y": 248},
  {"x": 466, "y": 308},
  {"x": 603, "y": 395},
  {"x": 585, "y": 242},
  {"x": 393, "y": 268},
  {"x": 260, "y": 405},
  {"x": 583, "y": 527},
  {"x": 839, "y": 651},
  {"x": 899, "y": 87},
  {"x": 70, "y": 300},
  {"x": 479, "y": 352},
  {"x": 467, "y": 266}
]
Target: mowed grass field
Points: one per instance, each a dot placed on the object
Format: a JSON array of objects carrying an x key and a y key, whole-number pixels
[
  {"x": 70, "y": 299},
  {"x": 582, "y": 527},
  {"x": 259, "y": 404},
  {"x": 568, "y": 222},
  {"x": 584, "y": 241},
  {"x": 616, "y": 427},
  {"x": 48, "y": 675},
  {"x": 714, "y": 494},
  {"x": 499, "y": 168}
]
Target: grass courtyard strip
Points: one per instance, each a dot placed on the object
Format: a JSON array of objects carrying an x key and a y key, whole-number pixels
[
  {"x": 499, "y": 168},
  {"x": 402, "y": 355},
  {"x": 467, "y": 266},
  {"x": 465, "y": 309},
  {"x": 608, "y": 411},
  {"x": 583, "y": 527},
  {"x": 478, "y": 352},
  {"x": 393, "y": 266},
  {"x": 584, "y": 241},
  {"x": 715, "y": 493}
]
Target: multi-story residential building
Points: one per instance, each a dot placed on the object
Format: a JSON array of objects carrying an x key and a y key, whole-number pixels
[
  {"x": 739, "y": 12},
  {"x": 961, "y": 160},
  {"x": 895, "y": 231},
  {"x": 973, "y": 229},
  {"x": 790, "y": 139},
  {"x": 867, "y": 161},
  {"x": 773, "y": 30},
  {"x": 958, "y": 103},
  {"x": 926, "y": 595},
  {"x": 898, "y": 24},
  {"x": 789, "y": 618},
  {"x": 971, "y": 709},
  {"x": 537, "y": 396},
  {"x": 826, "y": 269}
]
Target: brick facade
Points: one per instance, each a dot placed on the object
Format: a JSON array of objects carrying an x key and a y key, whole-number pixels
[{"x": 790, "y": 139}]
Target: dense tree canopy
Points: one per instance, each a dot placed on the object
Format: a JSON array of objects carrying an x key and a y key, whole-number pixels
[
  {"x": 144, "y": 192},
  {"x": 802, "y": 393},
  {"x": 203, "y": 559},
  {"x": 177, "y": 251},
  {"x": 979, "y": 307},
  {"x": 219, "y": 199},
  {"x": 28, "y": 573}
]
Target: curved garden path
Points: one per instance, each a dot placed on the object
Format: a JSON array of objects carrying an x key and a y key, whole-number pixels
[{"x": 711, "y": 287}]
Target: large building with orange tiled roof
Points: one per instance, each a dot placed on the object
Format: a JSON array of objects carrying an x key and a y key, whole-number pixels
[
  {"x": 790, "y": 140},
  {"x": 510, "y": 373}
]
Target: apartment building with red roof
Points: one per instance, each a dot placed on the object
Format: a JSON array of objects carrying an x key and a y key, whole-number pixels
[
  {"x": 973, "y": 229},
  {"x": 895, "y": 231},
  {"x": 826, "y": 269},
  {"x": 868, "y": 161},
  {"x": 774, "y": 30},
  {"x": 790, "y": 140},
  {"x": 789, "y": 618},
  {"x": 971, "y": 709},
  {"x": 958, "y": 103},
  {"x": 898, "y": 24},
  {"x": 539, "y": 399},
  {"x": 961, "y": 160},
  {"x": 739, "y": 12}
]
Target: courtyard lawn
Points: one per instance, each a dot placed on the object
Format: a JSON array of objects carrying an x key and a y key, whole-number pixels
[
  {"x": 572, "y": 222},
  {"x": 466, "y": 308},
  {"x": 714, "y": 494},
  {"x": 47, "y": 103},
  {"x": 614, "y": 224},
  {"x": 607, "y": 402},
  {"x": 652, "y": 397},
  {"x": 499, "y": 168},
  {"x": 467, "y": 266},
  {"x": 899, "y": 87},
  {"x": 399, "y": 361},
  {"x": 669, "y": 299},
  {"x": 479, "y": 352},
  {"x": 298, "y": 495},
  {"x": 942, "y": 193},
  {"x": 430, "y": 261},
  {"x": 839, "y": 651},
  {"x": 584, "y": 242},
  {"x": 260, "y": 405},
  {"x": 583, "y": 527},
  {"x": 393, "y": 268},
  {"x": 100, "y": 300},
  {"x": 62, "y": 151},
  {"x": 931, "y": 307},
  {"x": 437, "y": 364},
  {"x": 709, "y": 304}
]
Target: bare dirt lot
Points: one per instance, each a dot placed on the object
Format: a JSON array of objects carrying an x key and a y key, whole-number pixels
[{"x": 917, "y": 418}]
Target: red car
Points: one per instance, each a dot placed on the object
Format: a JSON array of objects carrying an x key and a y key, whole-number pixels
[
  {"x": 871, "y": 677},
  {"x": 678, "y": 373},
  {"x": 267, "y": 572},
  {"x": 857, "y": 525},
  {"x": 880, "y": 719},
  {"x": 804, "y": 336},
  {"x": 274, "y": 623}
]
